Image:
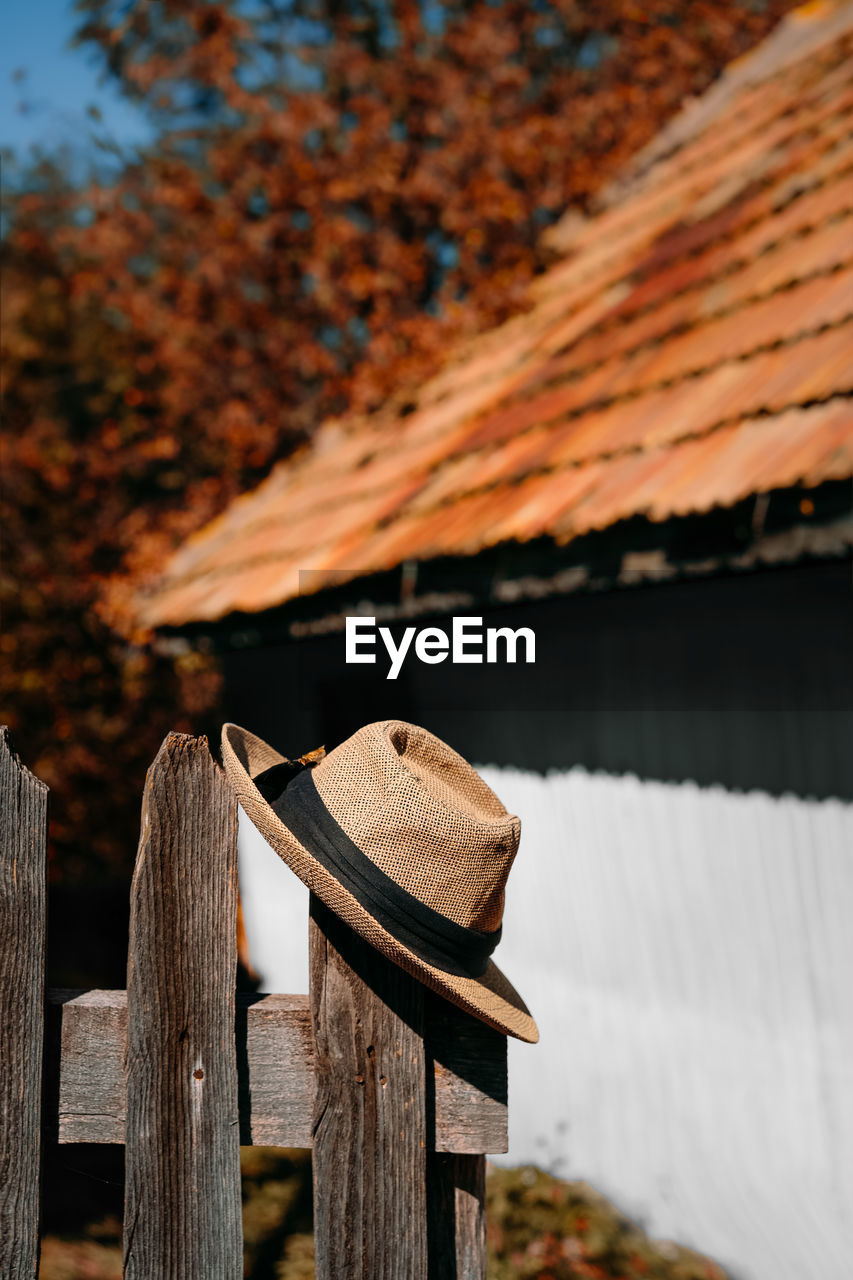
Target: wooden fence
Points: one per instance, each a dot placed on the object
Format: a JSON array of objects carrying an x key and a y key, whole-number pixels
[{"x": 397, "y": 1092}]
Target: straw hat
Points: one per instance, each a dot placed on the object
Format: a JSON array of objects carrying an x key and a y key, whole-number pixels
[{"x": 403, "y": 840}]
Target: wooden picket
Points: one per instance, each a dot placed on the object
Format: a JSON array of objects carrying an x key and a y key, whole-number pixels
[
  {"x": 182, "y": 1157},
  {"x": 398, "y": 1092},
  {"x": 23, "y": 933}
]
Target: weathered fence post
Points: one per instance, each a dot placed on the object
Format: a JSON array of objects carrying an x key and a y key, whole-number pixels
[
  {"x": 456, "y": 1192},
  {"x": 182, "y": 1217},
  {"x": 370, "y": 1126},
  {"x": 456, "y": 1179},
  {"x": 398, "y": 1090},
  {"x": 23, "y": 862},
  {"x": 387, "y": 1205}
]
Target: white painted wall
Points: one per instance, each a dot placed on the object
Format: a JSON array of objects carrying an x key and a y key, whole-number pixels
[{"x": 688, "y": 955}]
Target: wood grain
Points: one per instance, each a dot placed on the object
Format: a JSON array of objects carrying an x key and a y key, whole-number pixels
[
  {"x": 469, "y": 1064},
  {"x": 456, "y": 1182},
  {"x": 456, "y": 1190},
  {"x": 370, "y": 1124},
  {"x": 182, "y": 1218},
  {"x": 85, "y": 1099},
  {"x": 23, "y": 861},
  {"x": 275, "y": 1060}
]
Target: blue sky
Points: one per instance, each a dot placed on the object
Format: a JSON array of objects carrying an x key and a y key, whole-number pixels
[{"x": 59, "y": 83}]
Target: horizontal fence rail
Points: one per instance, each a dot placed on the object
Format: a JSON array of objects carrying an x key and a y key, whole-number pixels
[
  {"x": 398, "y": 1092},
  {"x": 86, "y": 1035}
]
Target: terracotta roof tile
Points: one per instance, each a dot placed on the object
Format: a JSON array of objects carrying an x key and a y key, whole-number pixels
[{"x": 694, "y": 346}]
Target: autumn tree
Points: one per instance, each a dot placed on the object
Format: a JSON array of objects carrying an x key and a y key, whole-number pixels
[{"x": 338, "y": 190}]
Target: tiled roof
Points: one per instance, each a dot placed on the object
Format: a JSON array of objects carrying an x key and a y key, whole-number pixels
[{"x": 693, "y": 345}]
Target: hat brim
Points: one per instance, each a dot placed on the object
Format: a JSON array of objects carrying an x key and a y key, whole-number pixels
[{"x": 491, "y": 997}]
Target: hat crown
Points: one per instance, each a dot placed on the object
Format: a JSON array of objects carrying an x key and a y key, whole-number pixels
[{"x": 425, "y": 817}]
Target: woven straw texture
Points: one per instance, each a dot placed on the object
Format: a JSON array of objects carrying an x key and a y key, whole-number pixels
[
  {"x": 425, "y": 817},
  {"x": 418, "y": 810}
]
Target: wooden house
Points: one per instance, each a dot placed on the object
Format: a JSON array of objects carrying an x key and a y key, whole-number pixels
[{"x": 651, "y": 469}]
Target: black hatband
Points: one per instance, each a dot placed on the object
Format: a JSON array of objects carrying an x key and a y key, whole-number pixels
[{"x": 436, "y": 939}]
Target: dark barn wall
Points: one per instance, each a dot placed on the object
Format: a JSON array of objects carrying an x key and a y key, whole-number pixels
[{"x": 745, "y": 681}]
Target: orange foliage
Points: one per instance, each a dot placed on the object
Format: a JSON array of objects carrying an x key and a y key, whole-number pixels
[{"x": 334, "y": 197}]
